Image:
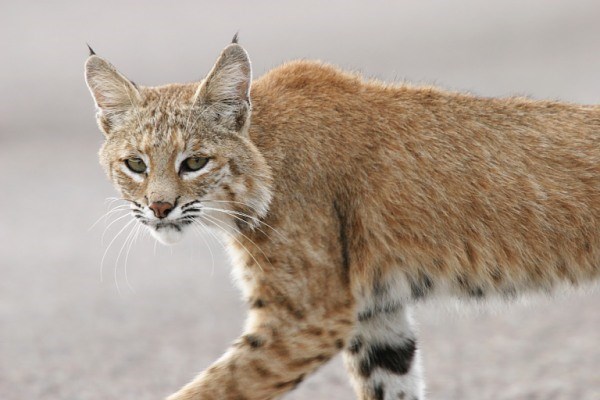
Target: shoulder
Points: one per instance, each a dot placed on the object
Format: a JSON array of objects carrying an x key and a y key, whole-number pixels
[{"x": 307, "y": 75}]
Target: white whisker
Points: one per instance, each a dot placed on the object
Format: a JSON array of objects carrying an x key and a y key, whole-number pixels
[
  {"x": 232, "y": 212},
  {"x": 247, "y": 238},
  {"x": 199, "y": 232},
  {"x": 230, "y": 201},
  {"x": 109, "y": 225},
  {"x": 127, "y": 239},
  {"x": 216, "y": 222},
  {"x": 245, "y": 214},
  {"x": 112, "y": 200},
  {"x": 109, "y": 245},
  {"x": 123, "y": 207},
  {"x": 131, "y": 242}
]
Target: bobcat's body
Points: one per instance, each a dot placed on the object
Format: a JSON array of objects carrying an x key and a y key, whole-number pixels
[{"x": 352, "y": 200}]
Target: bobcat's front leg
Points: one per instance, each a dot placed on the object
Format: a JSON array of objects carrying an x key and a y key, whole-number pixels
[{"x": 300, "y": 317}]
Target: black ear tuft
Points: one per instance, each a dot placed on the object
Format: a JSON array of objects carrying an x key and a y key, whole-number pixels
[
  {"x": 92, "y": 52},
  {"x": 235, "y": 38}
]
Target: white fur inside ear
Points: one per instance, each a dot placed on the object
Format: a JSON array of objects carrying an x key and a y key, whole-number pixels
[
  {"x": 112, "y": 92},
  {"x": 230, "y": 82},
  {"x": 230, "y": 78}
]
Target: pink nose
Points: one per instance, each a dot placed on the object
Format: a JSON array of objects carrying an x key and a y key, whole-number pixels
[{"x": 161, "y": 208}]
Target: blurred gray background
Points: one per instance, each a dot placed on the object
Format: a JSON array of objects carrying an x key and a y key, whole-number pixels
[{"x": 65, "y": 334}]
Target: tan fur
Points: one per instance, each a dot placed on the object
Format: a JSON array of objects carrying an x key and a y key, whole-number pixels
[{"x": 351, "y": 186}]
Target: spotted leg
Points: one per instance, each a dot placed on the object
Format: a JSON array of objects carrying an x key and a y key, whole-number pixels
[{"x": 382, "y": 357}]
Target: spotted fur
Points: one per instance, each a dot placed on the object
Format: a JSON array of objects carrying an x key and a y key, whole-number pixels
[{"x": 345, "y": 201}]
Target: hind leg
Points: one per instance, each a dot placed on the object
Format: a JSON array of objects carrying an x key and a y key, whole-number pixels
[{"x": 382, "y": 357}]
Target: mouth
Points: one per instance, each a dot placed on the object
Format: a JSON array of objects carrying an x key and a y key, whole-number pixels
[
  {"x": 167, "y": 232},
  {"x": 177, "y": 225}
]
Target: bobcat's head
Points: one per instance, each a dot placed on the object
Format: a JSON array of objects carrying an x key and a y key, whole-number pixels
[{"x": 181, "y": 153}]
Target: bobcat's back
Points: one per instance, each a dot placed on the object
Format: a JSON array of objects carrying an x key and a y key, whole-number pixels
[{"x": 471, "y": 195}]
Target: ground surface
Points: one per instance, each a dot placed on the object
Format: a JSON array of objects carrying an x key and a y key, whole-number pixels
[{"x": 65, "y": 335}]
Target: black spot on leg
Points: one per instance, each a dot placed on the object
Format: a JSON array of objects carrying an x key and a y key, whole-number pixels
[
  {"x": 339, "y": 344},
  {"x": 469, "y": 288},
  {"x": 258, "y": 303},
  {"x": 378, "y": 391},
  {"x": 421, "y": 286},
  {"x": 355, "y": 345},
  {"x": 253, "y": 341},
  {"x": 388, "y": 308},
  {"x": 476, "y": 292},
  {"x": 366, "y": 315},
  {"x": 393, "y": 358}
]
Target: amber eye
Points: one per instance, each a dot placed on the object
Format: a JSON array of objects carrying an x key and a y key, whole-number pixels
[
  {"x": 193, "y": 164},
  {"x": 136, "y": 165}
]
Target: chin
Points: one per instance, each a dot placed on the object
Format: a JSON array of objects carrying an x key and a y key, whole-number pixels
[{"x": 167, "y": 235}]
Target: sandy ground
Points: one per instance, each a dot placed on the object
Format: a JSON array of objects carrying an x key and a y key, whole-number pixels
[{"x": 67, "y": 334}]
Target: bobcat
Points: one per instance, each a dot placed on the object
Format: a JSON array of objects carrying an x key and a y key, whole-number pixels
[{"x": 346, "y": 201}]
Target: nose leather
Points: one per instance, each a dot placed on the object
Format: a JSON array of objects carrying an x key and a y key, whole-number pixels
[{"x": 161, "y": 208}]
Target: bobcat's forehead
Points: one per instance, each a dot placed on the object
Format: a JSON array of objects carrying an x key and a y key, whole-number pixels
[
  {"x": 164, "y": 115},
  {"x": 165, "y": 124}
]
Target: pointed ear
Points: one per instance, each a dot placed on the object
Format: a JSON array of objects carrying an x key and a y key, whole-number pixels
[
  {"x": 226, "y": 90},
  {"x": 113, "y": 93}
]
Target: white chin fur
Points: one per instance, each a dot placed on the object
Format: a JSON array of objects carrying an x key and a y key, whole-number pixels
[{"x": 167, "y": 235}]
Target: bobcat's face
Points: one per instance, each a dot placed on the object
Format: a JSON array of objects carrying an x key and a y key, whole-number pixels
[{"x": 181, "y": 153}]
